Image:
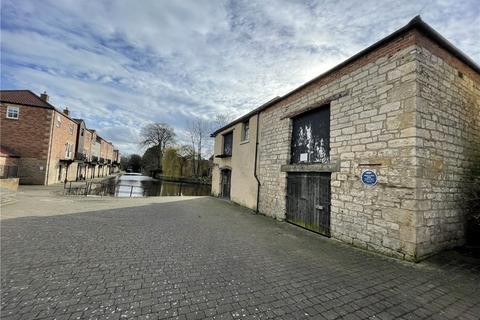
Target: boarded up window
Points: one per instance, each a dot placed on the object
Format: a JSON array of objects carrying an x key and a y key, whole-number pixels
[
  {"x": 227, "y": 144},
  {"x": 311, "y": 137}
]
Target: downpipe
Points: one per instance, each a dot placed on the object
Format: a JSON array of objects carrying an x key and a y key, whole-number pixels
[{"x": 255, "y": 167}]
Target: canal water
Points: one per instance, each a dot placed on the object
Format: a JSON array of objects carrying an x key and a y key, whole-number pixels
[{"x": 137, "y": 185}]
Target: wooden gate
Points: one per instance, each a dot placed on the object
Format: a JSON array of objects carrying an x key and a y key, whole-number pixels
[
  {"x": 308, "y": 201},
  {"x": 225, "y": 183}
]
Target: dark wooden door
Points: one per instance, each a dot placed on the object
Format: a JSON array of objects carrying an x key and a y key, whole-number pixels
[
  {"x": 308, "y": 201},
  {"x": 225, "y": 183}
]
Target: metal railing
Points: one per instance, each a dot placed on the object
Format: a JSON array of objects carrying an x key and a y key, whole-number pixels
[
  {"x": 102, "y": 189},
  {"x": 8, "y": 172}
]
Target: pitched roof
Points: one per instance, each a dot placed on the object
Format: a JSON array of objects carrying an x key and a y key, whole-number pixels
[
  {"x": 24, "y": 97},
  {"x": 27, "y": 98},
  {"x": 416, "y": 23}
]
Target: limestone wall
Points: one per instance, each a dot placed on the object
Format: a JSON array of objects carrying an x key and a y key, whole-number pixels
[
  {"x": 449, "y": 146},
  {"x": 373, "y": 125},
  {"x": 9, "y": 185},
  {"x": 408, "y": 110}
]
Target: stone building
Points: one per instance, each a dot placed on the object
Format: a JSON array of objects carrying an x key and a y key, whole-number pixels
[{"x": 375, "y": 152}]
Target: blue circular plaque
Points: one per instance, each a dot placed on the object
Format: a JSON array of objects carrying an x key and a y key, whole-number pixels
[{"x": 369, "y": 178}]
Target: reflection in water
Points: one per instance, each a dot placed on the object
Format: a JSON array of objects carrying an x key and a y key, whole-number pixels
[{"x": 135, "y": 185}]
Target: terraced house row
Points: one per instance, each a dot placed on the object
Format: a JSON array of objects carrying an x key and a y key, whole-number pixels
[{"x": 42, "y": 145}]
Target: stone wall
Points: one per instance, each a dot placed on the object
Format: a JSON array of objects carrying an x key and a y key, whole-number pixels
[
  {"x": 408, "y": 110},
  {"x": 8, "y": 185},
  {"x": 413, "y": 116},
  {"x": 372, "y": 127},
  {"x": 449, "y": 146}
]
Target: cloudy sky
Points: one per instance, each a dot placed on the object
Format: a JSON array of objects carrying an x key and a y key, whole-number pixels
[{"x": 121, "y": 64}]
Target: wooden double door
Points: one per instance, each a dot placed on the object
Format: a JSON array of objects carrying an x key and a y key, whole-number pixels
[{"x": 308, "y": 201}]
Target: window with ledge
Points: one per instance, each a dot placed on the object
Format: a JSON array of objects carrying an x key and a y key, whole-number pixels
[
  {"x": 13, "y": 112},
  {"x": 311, "y": 137},
  {"x": 245, "y": 131},
  {"x": 227, "y": 144}
]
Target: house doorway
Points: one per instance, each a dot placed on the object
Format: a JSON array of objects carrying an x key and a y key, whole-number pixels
[
  {"x": 225, "y": 183},
  {"x": 60, "y": 172}
]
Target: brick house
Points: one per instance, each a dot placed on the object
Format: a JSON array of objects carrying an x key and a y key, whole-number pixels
[
  {"x": 106, "y": 154},
  {"x": 43, "y": 137},
  {"x": 50, "y": 145},
  {"x": 83, "y": 152},
  {"x": 116, "y": 160},
  {"x": 376, "y": 152}
]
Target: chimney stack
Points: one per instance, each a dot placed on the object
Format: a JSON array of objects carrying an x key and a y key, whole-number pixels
[
  {"x": 66, "y": 111},
  {"x": 44, "y": 96}
]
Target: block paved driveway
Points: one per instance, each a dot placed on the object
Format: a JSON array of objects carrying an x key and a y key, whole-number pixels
[{"x": 206, "y": 258}]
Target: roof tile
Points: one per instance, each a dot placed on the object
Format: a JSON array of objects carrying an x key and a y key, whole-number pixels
[{"x": 23, "y": 97}]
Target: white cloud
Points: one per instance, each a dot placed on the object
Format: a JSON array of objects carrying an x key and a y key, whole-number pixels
[{"x": 121, "y": 64}]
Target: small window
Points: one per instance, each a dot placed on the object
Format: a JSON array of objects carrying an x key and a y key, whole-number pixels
[
  {"x": 68, "y": 150},
  {"x": 245, "y": 131},
  {"x": 13, "y": 112},
  {"x": 59, "y": 121},
  {"x": 82, "y": 132},
  {"x": 227, "y": 144},
  {"x": 71, "y": 128}
]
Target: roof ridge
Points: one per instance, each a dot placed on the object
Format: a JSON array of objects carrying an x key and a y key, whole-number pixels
[
  {"x": 415, "y": 23},
  {"x": 39, "y": 98}
]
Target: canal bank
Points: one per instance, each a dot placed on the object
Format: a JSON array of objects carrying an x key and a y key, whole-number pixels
[
  {"x": 31, "y": 200},
  {"x": 42, "y": 201},
  {"x": 137, "y": 185}
]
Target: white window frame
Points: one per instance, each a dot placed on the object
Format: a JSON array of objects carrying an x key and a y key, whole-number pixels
[{"x": 17, "y": 111}]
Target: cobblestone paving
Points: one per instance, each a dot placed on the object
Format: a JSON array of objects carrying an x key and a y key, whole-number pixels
[{"x": 209, "y": 259}]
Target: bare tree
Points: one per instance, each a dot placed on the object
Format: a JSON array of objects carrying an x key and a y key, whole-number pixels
[
  {"x": 198, "y": 130},
  {"x": 158, "y": 135},
  {"x": 221, "y": 119},
  {"x": 185, "y": 153}
]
